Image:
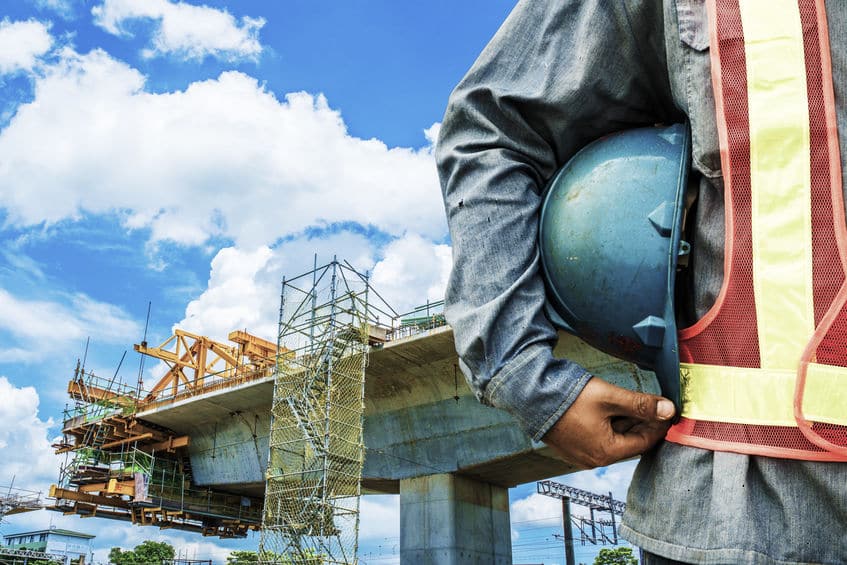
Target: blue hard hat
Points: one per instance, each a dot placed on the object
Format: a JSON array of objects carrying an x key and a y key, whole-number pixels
[{"x": 610, "y": 239}]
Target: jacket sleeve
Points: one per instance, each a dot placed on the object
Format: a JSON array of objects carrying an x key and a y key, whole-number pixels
[{"x": 556, "y": 76}]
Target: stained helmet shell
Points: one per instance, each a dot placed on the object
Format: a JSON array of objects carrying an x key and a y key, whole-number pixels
[{"x": 610, "y": 239}]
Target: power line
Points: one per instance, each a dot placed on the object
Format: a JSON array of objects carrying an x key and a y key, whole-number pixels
[{"x": 593, "y": 530}]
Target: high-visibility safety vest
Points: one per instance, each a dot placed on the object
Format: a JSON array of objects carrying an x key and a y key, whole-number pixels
[{"x": 765, "y": 371}]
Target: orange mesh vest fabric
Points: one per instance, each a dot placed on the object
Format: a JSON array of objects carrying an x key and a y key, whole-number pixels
[{"x": 728, "y": 335}]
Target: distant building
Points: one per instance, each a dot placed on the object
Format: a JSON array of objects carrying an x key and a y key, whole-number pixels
[{"x": 72, "y": 545}]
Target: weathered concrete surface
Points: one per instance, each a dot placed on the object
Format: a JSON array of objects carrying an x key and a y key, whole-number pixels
[
  {"x": 229, "y": 435},
  {"x": 415, "y": 426},
  {"x": 452, "y": 520},
  {"x": 420, "y": 419}
]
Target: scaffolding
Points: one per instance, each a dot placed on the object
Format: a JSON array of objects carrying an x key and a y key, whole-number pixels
[
  {"x": 15, "y": 500},
  {"x": 119, "y": 465},
  {"x": 12, "y": 556},
  {"x": 122, "y": 467},
  {"x": 328, "y": 319},
  {"x": 198, "y": 365}
]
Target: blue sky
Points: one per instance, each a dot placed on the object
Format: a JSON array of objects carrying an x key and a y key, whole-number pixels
[{"x": 189, "y": 155}]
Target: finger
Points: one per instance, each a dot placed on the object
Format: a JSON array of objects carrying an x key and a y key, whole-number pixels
[
  {"x": 622, "y": 424},
  {"x": 638, "y": 439},
  {"x": 645, "y": 407}
]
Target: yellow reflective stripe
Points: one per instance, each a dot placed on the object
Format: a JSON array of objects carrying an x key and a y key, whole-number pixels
[
  {"x": 779, "y": 171},
  {"x": 825, "y": 395},
  {"x": 763, "y": 397},
  {"x": 738, "y": 395}
]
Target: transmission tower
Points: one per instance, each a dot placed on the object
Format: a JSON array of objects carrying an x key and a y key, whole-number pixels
[
  {"x": 313, "y": 487},
  {"x": 594, "y": 530}
]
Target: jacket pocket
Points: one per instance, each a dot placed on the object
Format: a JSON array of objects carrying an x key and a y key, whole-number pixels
[
  {"x": 693, "y": 58},
  {"x": 693, "y": 23}
]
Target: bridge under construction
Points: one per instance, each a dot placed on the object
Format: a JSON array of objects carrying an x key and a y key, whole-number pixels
[{"x": 283, "y": 436}]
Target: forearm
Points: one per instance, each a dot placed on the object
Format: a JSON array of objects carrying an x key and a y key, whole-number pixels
[{"x": 535, "y": 96}]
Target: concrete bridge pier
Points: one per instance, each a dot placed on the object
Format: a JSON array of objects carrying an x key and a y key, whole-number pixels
[{"x": 449, "y": 519}]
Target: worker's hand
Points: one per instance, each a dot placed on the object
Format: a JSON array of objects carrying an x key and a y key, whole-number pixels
[{"x": 608, "y": 423}]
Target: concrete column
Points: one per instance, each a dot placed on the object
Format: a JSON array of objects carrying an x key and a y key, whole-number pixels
[{"x": 448, "y": 519}]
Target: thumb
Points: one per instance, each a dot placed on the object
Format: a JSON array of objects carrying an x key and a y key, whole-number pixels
[{"x": 643, "y": 406}]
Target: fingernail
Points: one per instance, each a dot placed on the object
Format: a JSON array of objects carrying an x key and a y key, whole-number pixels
[{"x": 665, "y": 409}]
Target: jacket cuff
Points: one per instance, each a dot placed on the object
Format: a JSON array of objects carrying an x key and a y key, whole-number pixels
[{"x": 536, "y": 388}]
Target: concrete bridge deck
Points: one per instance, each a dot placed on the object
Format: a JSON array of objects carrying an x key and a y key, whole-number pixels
[{"x": 426, "y": 437}]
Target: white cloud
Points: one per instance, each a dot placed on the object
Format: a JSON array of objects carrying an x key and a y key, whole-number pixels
[
  {"x": 185, "y": 30},
  {"x": 35, "y": 322},
  {"x": 224, "y": 157},
  {"x": 186, "y": 545},
  {"x": 379, "y": 525},
  {"x": 112, "y": 533},
  {"x": 19, "y": 354},
  {"x": 21, "y": 44},
  {"x": 64, "y": 8},
  {"x": 431, "y": 133},
  {"x": 537, "y": 510},
  {"x": 239, "y": 296},
  {"x": 22, "y": 264},
  {"x": 379, "y": 517},
  {"x": 25, "y": 449},
  {"x": 244, "y": 285},
  {"x": 26, "y": 455},
  {"x": 614, "y": 478},
  {"x": 540, "y": 509},
  {"x": 412, "y": 271}
]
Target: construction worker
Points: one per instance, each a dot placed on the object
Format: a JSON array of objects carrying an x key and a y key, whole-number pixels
[{"x": 752, "y": 473}]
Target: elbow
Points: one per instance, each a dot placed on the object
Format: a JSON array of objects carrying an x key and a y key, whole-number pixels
[{"x": 448, "y": 139}]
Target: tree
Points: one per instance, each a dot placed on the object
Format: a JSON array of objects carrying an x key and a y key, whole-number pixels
[
  {"x": 145, "y": 553},
  {"x": 242, "y": 558},
  {"x": 617, "y": 556},
  {"x": 248, "y": 557}
]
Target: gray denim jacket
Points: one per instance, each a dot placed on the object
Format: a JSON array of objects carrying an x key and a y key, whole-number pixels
[{"x": 556, "y": 76}]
